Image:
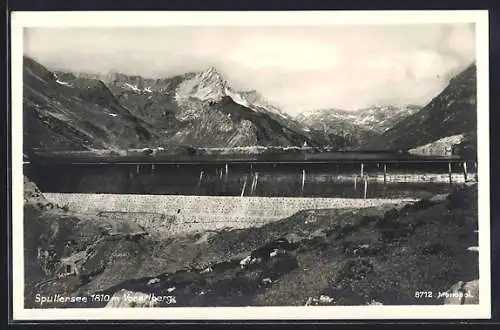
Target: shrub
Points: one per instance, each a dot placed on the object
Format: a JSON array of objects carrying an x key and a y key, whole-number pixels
[
  {"x": 433, "y": 248},
  {"x": 389, "y": 219},
  {"x": 460, "y": 199},
  {"x": 354, "y": 270},
  {"x": 367, "y": 219}
]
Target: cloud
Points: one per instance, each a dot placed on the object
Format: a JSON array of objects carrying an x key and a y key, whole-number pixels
[{"x": 298, "y": 68}]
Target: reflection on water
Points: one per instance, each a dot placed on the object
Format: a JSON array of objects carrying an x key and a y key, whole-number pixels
[
  {"x": 341, "y": 181},
  {"x": 290, "y": 188}
]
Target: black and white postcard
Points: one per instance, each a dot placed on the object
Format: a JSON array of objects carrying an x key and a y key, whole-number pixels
[{"x": 250, "y": 165}]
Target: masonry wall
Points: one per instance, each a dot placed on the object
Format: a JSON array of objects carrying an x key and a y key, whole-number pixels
[{"x": 171, "y": 215}]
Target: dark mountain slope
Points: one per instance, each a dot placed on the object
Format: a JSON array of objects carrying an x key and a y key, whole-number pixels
[
  {"x": 452, "y": 112},
  {"x": 82, "y": 114}
]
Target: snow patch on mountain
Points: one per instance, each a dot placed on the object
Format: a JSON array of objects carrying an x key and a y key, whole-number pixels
[
  {"x": 257, "y": 102},
  {"x": 323, "y": 113},
  {"x": 441, "y": 147},
  {"x": 236, "y": 97},
  {"x": 132, "y": 87},
  {"x": 136, "y": 89},
  {"x": 64, "y": 83}
]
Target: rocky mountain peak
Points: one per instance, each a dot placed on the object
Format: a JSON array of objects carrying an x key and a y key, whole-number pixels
[
  {"x": 206, "y": 85},
  {"x": 212, "y": 77},
  {"x": 210, "y": 71}
]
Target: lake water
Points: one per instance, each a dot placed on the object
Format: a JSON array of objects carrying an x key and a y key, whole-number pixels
[{"x": 241, "y": 180}]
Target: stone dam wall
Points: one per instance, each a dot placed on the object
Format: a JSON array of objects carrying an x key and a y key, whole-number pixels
[{"x": 172, "y": 215}]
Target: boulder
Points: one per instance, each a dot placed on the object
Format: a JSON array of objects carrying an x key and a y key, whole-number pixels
[
  {"x": 439, "y": 198},
  {"x": 463, "y": 293}
]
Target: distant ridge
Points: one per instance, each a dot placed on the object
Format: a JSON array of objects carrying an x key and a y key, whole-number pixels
[{"x": 452, "y": 112}]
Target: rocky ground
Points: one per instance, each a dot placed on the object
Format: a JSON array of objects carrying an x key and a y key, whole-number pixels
[{"x": 333, "y": 257}]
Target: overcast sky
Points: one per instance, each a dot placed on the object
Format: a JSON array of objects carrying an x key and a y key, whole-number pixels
[{"x": 297, "y": 68}]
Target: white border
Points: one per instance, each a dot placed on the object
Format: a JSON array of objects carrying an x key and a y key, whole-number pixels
[{"x": 20, "y": 20}]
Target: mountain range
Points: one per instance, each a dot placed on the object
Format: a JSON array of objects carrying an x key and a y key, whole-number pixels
[
  {"x": 357, "y": 127},
  {"x": 198, "y": 109},
  {"x": 73, "y": 110}
]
